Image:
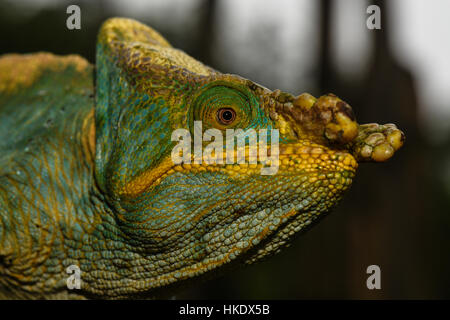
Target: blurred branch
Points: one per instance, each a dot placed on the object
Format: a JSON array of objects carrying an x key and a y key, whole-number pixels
[
  {"x": 204, "y": 50},
  {"x": 325, "y": 81}
]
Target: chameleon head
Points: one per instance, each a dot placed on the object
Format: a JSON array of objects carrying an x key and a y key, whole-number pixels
[{"x": 195, "y": 217}]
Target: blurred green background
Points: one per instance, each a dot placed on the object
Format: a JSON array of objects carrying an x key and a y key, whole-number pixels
[{"x": 396, "y": 214}]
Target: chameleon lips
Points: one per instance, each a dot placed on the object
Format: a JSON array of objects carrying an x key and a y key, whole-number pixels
[
  {"x": 295, "y": 157},
  {"x": 147, "y": 179},
  {"x": 292, "y": 153}
]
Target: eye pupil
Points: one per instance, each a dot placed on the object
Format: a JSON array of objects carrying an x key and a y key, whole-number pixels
[{"x": 226, "y": 115}]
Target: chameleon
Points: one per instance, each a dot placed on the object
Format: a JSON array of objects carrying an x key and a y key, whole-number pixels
[{"x": 87, "y": 178}]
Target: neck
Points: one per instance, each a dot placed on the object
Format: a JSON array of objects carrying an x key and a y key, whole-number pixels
[{"x": 51, "y": 213}]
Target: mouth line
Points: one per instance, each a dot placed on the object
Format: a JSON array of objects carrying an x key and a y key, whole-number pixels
[{"x": 292, "y": 157}]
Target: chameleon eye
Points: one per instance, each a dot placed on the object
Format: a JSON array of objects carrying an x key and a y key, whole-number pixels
[
  {"x": 226, "y": 116},
  {"x": 225, "y": 105}
]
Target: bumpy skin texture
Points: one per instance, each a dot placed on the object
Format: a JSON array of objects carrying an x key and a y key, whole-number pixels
[{"x": 90, "y": 182}]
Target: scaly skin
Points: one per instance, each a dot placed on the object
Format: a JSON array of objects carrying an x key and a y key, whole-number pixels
[{"x": 91, "y": 183}]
